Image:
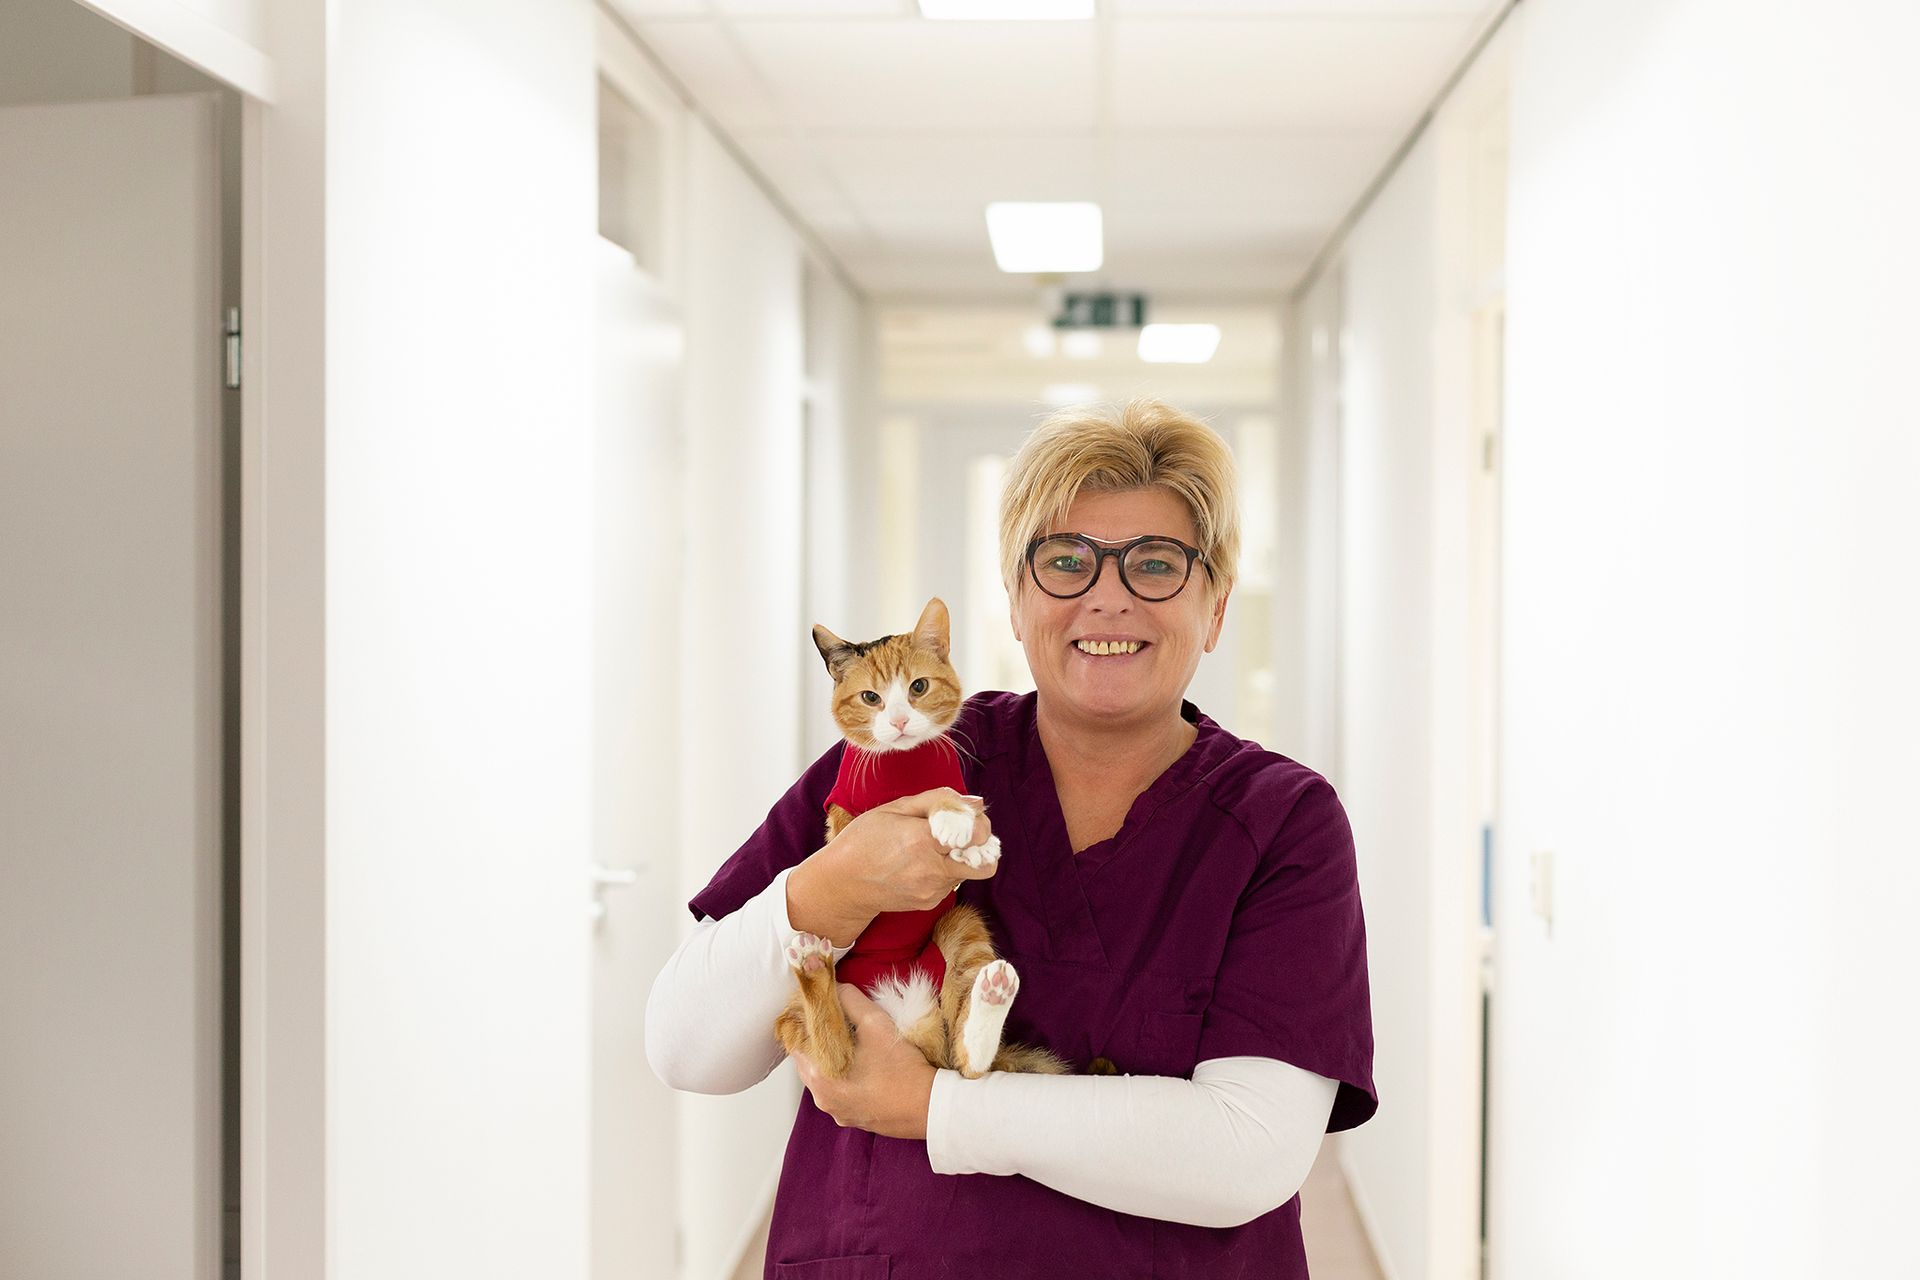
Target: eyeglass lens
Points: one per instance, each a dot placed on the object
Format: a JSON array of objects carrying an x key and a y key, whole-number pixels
[{"x": 1151, "y": 570}]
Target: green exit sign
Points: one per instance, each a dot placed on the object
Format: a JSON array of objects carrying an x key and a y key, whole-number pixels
[{"x": 1101, "y": 311}]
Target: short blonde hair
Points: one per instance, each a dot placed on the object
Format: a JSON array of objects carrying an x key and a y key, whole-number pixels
[{"x": 1141, "y": 444}]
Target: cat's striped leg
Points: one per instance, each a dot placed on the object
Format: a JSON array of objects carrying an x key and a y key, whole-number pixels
[{"x": 825, "y": 1035}]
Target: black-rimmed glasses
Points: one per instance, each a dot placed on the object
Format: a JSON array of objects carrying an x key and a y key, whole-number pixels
[{"x": 1153, "y": 567}]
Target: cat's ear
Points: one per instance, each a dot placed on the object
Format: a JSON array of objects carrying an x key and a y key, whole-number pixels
[
  {"x": 931, "y": 631},
  {"x": 834, "y": 651}
]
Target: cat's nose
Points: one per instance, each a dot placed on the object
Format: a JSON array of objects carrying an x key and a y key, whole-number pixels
[{"x": 900, "y": 723}]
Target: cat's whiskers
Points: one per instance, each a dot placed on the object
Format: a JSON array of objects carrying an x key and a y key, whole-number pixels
[{"x": 968, "y": 752}]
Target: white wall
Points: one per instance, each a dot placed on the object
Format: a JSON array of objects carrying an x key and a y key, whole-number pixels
[
  {"x": 842, "y": 516},
  {"x": 1307, "y": 703},
  {"x": 1385, "y": 441},
  {"x": 1710, "y": 643},
  {"x": 745, "y": 637},
  {"x": 1386, "y": 676},
  {"x": 460, "y": 207}
]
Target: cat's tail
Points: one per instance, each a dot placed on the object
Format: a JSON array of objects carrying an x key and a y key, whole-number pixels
[{"x": 1040, "y": 1062}]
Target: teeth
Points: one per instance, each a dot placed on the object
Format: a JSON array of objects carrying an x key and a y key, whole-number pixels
[{"x": 1103, "y": 647}]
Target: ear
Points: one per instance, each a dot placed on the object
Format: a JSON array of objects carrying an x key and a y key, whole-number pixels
[
  {"x": 834, "y": 651},
  {"x": 931, "y": 630},
  {"x": 1219, "y": 619}
]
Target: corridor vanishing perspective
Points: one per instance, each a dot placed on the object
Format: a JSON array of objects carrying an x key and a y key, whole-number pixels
[{"x": 430, "y": 432}]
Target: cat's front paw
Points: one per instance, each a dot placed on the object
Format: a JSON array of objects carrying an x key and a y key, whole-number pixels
[
  {"x": 807, "y": 952},
  {"x": 952, "y": 827},
  {"x": 980, "y": 855}
]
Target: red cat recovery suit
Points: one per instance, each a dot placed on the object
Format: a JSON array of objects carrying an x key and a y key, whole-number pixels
[
  {"x": 1222, "y": 919},
  {"x": 896, "y": 941}
]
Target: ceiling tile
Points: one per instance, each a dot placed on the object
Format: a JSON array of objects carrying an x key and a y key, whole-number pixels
[
  {"x": 1300, "y": 176},
  {"x": 901, "y": 76},
  {"x": 967, "y": 171},
  {"x": 1297, "y": 8},
  {"x": 931, "y": 225},
  {"x": 638, "y": 10},
  {"x": 1312, "y": 75},
  {"x": 818, "y": 8},
  {"x": 701, "y": 58}
]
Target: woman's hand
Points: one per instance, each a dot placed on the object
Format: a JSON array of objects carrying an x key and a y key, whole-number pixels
[
  {"x": 896, "y": 864},
  {"x": 887, "y": 859},
  {"x": 890, "y": 1084}
]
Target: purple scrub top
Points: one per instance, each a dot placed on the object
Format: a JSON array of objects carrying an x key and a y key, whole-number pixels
[{"x": 1223, "y": 919}]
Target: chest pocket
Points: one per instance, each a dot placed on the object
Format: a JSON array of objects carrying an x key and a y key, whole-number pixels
[{"x": 1157, "y": 1031}]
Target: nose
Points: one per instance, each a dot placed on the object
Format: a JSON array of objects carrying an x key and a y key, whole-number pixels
[
  {"x": 899, "y": 722},
  {"x": 1108, "y": 593}
]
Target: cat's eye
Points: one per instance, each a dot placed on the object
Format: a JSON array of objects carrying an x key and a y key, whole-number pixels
[
  {"x": 918, "y": 687},
  {"x": 869, "y": 697}
]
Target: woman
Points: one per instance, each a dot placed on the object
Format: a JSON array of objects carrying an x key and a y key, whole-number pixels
[{"x": 1181, "y": 907}]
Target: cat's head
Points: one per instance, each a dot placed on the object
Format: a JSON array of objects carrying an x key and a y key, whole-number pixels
[{"x": 894, "y": 693}]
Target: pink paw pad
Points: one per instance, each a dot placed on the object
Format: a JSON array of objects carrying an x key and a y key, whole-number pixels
[
  {"x": 807, "y": 952},
  {"x": 997, "y": 983}
]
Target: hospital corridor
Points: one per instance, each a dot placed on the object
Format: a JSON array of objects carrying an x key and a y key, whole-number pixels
[{"x": 433, "y": 434}]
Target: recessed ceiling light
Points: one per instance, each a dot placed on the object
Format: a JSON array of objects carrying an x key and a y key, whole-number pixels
[
  {"x": 984, "y": 10},
  {"x": 1030, "y": 237},
  {"x": 1179, "y": 343}
]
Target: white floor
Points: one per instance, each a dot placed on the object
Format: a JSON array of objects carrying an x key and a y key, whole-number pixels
[{"x": 1337, "y": 1247}]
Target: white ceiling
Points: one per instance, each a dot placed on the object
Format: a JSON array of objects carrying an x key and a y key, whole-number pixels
[{"x": 1223, "y": 139}]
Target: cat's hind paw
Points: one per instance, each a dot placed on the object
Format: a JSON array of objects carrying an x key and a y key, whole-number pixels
[
  {"x": 996, "y": 983},
  {"x": 952, "y": 827},
  {"x": 807, "y": 952},
  {"x": 980, "y": 855},
  {"x": 993, "y": 990}
]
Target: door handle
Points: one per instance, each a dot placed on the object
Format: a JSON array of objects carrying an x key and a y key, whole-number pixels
[{"x": 602, "y": 876}]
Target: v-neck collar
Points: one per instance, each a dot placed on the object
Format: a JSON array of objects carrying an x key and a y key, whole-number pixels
[{"x": 1060, "y": 874}]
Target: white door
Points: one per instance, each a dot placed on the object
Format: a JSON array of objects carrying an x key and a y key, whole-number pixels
[
  {"x": 637, "y": 574},
  {"x": 110, "y": 743}
]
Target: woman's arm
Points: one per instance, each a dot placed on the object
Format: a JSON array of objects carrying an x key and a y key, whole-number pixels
[
  {"x": 710, "y": 1013},
  {"x": 1234, "y": 1142}
]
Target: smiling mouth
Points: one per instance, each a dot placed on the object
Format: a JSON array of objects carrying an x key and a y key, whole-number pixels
[{"x": 1109, "y": 648}]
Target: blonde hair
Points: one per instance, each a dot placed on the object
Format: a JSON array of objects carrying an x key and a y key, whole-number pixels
[{"x": 1141, "y": 444}]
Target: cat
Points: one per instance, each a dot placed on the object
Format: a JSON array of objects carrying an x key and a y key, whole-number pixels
[{"x": 934, "y": 972}]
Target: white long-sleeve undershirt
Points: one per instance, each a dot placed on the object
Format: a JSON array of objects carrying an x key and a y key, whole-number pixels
[{"x": 1232, "y": 1143}]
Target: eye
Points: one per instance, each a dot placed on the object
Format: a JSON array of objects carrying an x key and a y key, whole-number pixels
[
  {"x": 869, "y": 697},
  {"x": 1155, "y": 566},
  {"x": 1066, "y": 564},
  {"x": 918, "y": 687}
]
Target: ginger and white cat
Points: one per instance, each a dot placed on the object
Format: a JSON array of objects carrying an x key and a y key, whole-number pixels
[{"x": 934, "y": 972}]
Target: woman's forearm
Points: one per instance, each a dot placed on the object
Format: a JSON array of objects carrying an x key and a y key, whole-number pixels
[
  {"x": 819, "y": 901},
  {"x": 711, "y": 1010},
  {"x": 1219, "y": 1150}
]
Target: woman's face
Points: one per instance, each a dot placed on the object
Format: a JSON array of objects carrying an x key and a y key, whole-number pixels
[{"x": 1117, "y": 688}]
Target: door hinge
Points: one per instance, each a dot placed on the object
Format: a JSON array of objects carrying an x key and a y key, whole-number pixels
[{"x": 233, "y": 347}]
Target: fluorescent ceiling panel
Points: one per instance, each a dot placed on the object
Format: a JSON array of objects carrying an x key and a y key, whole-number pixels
[
  {"x": 1031, "y": 237},
  {"x": 1179, "y": 343}
]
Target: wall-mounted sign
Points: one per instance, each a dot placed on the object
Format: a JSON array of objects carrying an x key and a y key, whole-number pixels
[{"x": 1101, "y": 311}]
